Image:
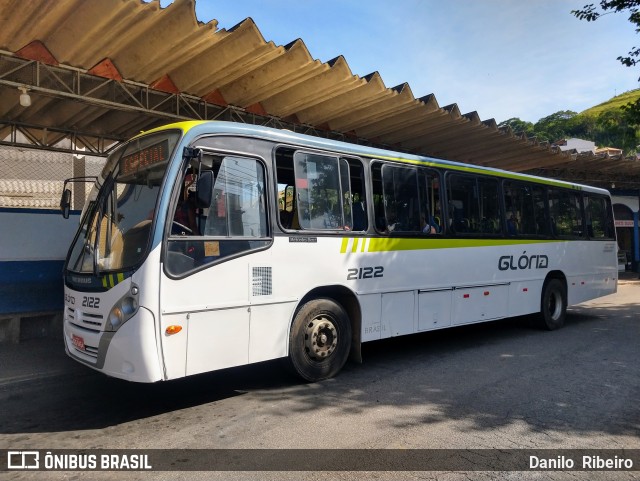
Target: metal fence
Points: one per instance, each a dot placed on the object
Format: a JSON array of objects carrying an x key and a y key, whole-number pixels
[{"x": 33, "y": 179}]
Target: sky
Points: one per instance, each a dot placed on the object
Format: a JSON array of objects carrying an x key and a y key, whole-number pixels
[{"x": 500, "y": 58}]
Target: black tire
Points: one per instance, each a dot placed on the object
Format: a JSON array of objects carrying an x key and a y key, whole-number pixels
[
  {"x": 553, "y": 307},
  {"x": 320, "y": 340}
]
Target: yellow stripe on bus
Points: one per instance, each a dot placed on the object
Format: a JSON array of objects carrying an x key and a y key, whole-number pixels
[
  {"x": 109, "y": 280},
  {"x": 385, "y": 244},
  {"x": 345, "y": 243}
]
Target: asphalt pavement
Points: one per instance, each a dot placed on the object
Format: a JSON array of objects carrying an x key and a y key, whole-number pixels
[{"x": 44, "y": 358}]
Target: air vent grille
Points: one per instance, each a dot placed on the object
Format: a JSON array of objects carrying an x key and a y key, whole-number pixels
[{"x": 261, "y": 281}]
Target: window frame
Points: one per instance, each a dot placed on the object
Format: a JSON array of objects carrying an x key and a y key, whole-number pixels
[
  {"x": 609, "y": 220},
  {"x": 297, "y": 153},
  {"x": 424, "y": 172},
  {"x": 553, "y": 223},
  {"x": 340, "y": 158},
  {"x": 500, "y": 230},
  {"x": 545, "y": 208}
]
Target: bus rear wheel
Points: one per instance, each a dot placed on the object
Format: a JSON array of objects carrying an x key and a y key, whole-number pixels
[
  {"x": 320, "y": 340},
  {"x": 553, "y": 309}
]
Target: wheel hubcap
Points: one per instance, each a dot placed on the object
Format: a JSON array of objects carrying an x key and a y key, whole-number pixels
[{"x": 320, "y": 338}]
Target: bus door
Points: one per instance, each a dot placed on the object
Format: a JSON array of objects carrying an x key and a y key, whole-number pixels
[{"x": 207, "y": 281}]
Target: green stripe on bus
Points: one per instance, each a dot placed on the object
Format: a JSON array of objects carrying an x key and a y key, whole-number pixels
[{"x": 391, "y": 244}]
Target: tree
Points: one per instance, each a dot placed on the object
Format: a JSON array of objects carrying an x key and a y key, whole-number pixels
[
  {"x": 612, "y": 129},
  {"x": 590, "y": 14},
  {"x": 517, "y": 125},
  {"x": 555, "y": 126}
]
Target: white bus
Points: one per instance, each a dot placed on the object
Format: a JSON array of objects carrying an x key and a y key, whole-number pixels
[{"x": 207, "y": 245}]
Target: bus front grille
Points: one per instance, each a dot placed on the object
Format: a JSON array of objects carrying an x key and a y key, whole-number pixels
[
  {"x": 90, "y": 351},
  {"x": 92, "y": 322}
]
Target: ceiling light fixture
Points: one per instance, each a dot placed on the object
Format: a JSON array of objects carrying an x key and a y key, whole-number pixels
[{"x": 25, "y": 98}]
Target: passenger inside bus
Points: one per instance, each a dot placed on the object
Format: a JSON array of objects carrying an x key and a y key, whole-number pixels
[
  {"x": 185, "y": 216},
  {"x": 512, "y": 225},
  {"x": 289, "y": 219},
  {"x": 427, "y": 227},
  {"x": 392, "y": 223},
  {"x": 457, "y": 222},
  {"x": 285, "y": 218},
  {"x": 359, "y": 216}
]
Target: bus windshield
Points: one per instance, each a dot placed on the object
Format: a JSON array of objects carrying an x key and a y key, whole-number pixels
[{"x": 115, "y": 230}]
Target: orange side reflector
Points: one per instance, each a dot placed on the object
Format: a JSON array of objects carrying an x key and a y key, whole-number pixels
[{"x": 171, "y": 330}]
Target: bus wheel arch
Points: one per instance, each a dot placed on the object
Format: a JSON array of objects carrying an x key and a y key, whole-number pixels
[
  {"x": 330, "y": 315},
  {"x": 553, "y": 301}
]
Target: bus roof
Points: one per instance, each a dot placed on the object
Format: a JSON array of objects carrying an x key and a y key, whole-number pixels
[{"x": 194, "y": 129}]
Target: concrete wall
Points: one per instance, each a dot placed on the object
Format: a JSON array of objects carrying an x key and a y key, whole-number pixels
[{"x": 33, "y": 245}]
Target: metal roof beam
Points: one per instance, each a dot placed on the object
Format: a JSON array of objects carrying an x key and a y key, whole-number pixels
[
  {"x": 47, "y": 138},
  {"x": 70, "y": 83}
]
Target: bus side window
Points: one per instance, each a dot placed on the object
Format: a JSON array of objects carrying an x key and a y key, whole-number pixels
[
  {"x": 525, "y": 209},
  {"x": 320, "y": 191},
  {"x": 406, "y": 199},
  {"x": 598, "y": 209},
  {"x": 397, "y": 198},
  {"x": 323, "y": 193},
  {"x": 566, "y": 213},
  {"x": 236, "y": 220},
  {"x": 474, "y": 207}
]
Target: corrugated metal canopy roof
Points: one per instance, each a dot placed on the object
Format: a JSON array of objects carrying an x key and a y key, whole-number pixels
[{"x": 111, "y": 68}]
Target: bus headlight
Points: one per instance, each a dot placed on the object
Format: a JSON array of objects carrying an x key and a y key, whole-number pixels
[
  {"x": 115, "y": 318},
  {"x": 123, "y": 310}
]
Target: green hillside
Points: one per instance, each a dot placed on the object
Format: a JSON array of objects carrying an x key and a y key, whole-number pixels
[
  {"x": 613, "y": 104},
  {"x": 607, "y": 124}
]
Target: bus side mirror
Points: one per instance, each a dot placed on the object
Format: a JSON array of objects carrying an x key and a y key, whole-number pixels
[
  {"x": 65, "y": 203},
  {"x": 204, "y": 189}
]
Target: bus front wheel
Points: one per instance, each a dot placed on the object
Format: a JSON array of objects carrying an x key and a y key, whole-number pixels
[
  {"x": 553, "y": 309},
  {"x": 319, "y": 340}
]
